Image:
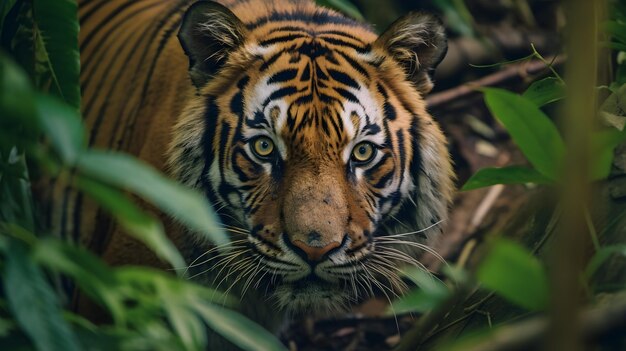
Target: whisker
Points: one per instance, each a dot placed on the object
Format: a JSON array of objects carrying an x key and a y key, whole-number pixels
[{"x": 411, "y": 233}]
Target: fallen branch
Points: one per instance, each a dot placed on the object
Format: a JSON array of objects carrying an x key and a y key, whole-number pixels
[
  {"x": 511, "y": 72},
  {"x": 596, "y": 323}
]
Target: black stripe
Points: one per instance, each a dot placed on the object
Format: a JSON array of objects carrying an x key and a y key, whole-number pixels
[
  {"x": 401, "y": 152},
  {"x": 99, "y": 47},
  {"x": 347, "y": 95},
  {"x": 359, "y": 48},
  {"x": 271, "y": 60},
  {"x": 88, "y": 77},
  {"x": 129, "y": 126},
  {"x": 114, "y": 86},
  {"x": 343, "y": 79},
  {"x": 283, "y": 38},
  {"x": 280, "y": 93},
  {"x": 105, "y": 21},
  {"x": 357, "y": 66},
  {"x": 284, "y": 76},
  {"x": 320, "y": 17},
  {"x": 341, "y": 33},
  {"x": 290, "y": 29}
]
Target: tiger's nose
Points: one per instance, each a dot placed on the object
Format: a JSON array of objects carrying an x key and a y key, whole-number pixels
[{"x": 314, "y": 253}]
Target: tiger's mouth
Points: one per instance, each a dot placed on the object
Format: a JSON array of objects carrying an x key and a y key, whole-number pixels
[{"x": 312, "y": 294}]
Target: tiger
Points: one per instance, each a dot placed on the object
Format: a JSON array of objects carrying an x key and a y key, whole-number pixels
[{"x": 306, "y": 130}]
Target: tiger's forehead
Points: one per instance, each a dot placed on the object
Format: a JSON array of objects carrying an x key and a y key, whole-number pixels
[{"x": 308, "y": 91}]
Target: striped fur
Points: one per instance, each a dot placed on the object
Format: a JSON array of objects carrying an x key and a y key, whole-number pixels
[{"x": 314, "y": 82}]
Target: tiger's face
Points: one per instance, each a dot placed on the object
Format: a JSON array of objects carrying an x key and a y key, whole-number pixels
[{"x": 314, "y": 142}]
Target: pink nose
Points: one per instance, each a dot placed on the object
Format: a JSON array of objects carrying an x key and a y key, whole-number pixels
[{"x": 315, "y": 253}]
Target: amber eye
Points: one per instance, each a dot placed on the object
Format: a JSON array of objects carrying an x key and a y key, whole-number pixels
[
  {"x": 363, "y": 152},
  {"x": 263, "y": 147}
]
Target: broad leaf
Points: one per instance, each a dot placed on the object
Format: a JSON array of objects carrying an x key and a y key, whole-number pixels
[
  {"x": 545, "y": 91},
  {"x": 429, "y": 294},
  {"x": 344, "y": 6},
  {"x": 241, "y": 331},
  {"x": 602, "y": 256},
  {"x": 5, "y": 7},
  {"x": 58, "y": 23},
  {"x": 141, "y": 226},
  {"x": 34, "y": 303},
  {"x": 17, "y": 117},
  {"x": 130, "y": 174},
  {"x": 505, "y": 175},
  {"x": 515, "y": 274},
  {"x": 63, "y": 126},
  {"x": 530, "y": 128},
  {"x": 458, "y": 17},
  {"x": 93, "y": 277},
  {"x": 602, "y": 148}
]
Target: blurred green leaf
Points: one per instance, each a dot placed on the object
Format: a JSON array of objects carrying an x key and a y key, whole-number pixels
[
  {"x": 515, "y": 274},
  {"x": 545, "y": 91},
  {"x": 17, "y": 205},
  {"x": 458, "y": 17},
  {"x": 5, "y": 7},
  {"x": 343, "y": 6},
  {"x": 58, "y": 22},
  {"x": 601, "y": 256},
  {"x": 613, "y": 109},
  {"x": 63, "y": 126},
  {"x": 141, "y": 226},
  {"x": 530, "y": 128},
  {"x": 17, "y": 119},
  {"x": 617, "y": 30},
  {"x": 429, "y": 294},
  {"x": 128, "y": 173},
  {"x": 505, "y": 175},
  {"x": 34, "y": 304},
  {"x": 241, "y": 331},
  {"x": 92, "y": 276},
  {"x": 603, "y": 144}
]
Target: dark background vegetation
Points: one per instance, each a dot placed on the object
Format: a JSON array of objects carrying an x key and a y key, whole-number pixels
[{"x": 530, "y": 95}]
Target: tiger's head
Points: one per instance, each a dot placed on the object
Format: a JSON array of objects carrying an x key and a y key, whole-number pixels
[{"x": 310, "y": 136}]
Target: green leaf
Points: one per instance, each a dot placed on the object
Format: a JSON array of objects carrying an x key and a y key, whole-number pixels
[
  {"x": 344, "y": 6},
  {"x": 602, "y": 146},
  {"x": 505, "y": 175},
  {"x": 58, "y": 23},
  {"x": 5, "y": 7},
  {"x": 128, "y": 173},
  {"x": 515, "y": 274},
  {"x": 17, "y": 205},
  {"x": 429, "y": 294},
  {"x": 613, "y": 109},
  {"x": 617, "y": 30},
  {"x": 545, "y": 91},
  {"x": 34, "y": 304},
  {"x": 92, "y": 276},
  {"x": 530, "y": 128},
  {"x": 241, "y": 331},
  {"x": 457, "y": 15},
  {"x": 602, "y": 256},
  {"x": 141, "y": 226},
  {"x": 63, "y": 126},
  {"x": 18, "y": 124}
]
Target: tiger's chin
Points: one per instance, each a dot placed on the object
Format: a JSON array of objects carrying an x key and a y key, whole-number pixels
[{"x": 312, "y": 297}]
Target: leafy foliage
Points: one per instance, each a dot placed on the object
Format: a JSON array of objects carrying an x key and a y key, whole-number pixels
[{"x": 41, "y": 129}]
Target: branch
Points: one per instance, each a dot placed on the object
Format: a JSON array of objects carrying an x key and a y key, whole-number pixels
[
  {"x": 595, "y": 324},
  {"x": 511, "y": 72}
]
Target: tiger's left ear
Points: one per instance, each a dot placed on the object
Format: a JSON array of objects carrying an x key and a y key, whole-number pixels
[
  {"x": 418, "y": 42},
  {"x": 208, "y": 34}
]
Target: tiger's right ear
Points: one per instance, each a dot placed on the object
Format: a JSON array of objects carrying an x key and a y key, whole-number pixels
[{"x": 209, "y": 32}]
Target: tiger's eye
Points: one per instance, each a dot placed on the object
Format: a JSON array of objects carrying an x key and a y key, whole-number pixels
[
  {"x": 263, "y": 147},
  {"x": 363, "y": 152}
]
